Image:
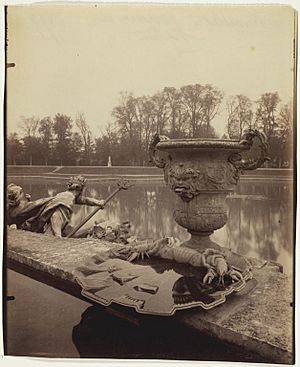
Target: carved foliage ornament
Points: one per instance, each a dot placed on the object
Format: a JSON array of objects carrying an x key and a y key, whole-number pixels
[{"x": 188, "y": 179}]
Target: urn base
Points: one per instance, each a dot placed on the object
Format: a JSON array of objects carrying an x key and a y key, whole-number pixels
[{"x": 201, "y": 241}]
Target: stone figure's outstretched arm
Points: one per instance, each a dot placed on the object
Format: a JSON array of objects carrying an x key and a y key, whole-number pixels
[{"x": 84, "y": 200}]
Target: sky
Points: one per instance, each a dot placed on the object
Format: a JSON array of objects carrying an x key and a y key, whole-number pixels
[{"x": 78, "y": 58}]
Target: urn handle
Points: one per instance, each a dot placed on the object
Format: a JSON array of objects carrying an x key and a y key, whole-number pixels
[
  {"x": 247, "y": 140},
  {"x": 154, "y": 158}
]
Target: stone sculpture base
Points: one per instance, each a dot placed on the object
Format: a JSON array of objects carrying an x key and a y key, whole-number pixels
[
  {"x": 259, "y": 320},
  {"x": 200, "y": 242}
]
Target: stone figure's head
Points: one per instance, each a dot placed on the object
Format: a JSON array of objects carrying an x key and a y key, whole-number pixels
[
  {"x": 76, "y": 184},
  {"x": 16, "y": 195}
]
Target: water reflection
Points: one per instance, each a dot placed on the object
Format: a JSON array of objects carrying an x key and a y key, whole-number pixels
[
  {"x": 101, "y": 335},
  {"x": 259, "y": 225}
]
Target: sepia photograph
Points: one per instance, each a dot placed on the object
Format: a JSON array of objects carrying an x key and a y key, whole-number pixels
[{"x": 150, "y": 182}]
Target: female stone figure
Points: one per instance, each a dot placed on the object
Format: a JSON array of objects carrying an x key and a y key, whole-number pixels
[{"x": 47, "y": 215}]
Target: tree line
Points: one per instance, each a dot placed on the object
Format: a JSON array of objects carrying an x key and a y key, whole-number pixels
[{"x": 186, "y": 112}]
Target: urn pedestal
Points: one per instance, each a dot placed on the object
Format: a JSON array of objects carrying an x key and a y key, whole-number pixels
[{"x": 202, "y": 172}]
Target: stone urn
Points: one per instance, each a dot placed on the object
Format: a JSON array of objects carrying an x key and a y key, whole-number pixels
[{"x": 202, "y": 172}]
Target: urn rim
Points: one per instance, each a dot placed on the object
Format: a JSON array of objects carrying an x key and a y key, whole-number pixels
[{"x": 202, "y": 143}]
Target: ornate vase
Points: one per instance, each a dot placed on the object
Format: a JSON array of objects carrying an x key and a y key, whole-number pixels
[{"x": 202, "y": 172}]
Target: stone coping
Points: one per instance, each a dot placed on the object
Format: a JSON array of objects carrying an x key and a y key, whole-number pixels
[{"x": 259, "y": 319}]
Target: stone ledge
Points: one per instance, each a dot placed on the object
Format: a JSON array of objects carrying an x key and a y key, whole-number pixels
[{"x": 259, "y": 319}]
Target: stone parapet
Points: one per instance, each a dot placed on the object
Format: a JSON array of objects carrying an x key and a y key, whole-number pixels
[{"x": 259, "y": 319}]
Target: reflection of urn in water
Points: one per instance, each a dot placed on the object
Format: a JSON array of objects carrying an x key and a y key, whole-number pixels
[{"x": 202, "y": 172}]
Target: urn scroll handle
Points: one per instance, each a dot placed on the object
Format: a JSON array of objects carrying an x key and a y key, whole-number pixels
[
  {"x": 247, "y": 140},
  {"x": 154, "y": 158}
]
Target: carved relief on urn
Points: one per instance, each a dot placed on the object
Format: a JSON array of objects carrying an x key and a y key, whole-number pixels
[{"x": 202, "y": 172}]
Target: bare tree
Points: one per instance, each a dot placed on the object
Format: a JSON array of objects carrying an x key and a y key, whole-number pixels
[
  {"x": 239, "y": 115},
  {"x": 266, "y": 113},
  {"x": 77, "y": 146},
  {"x": 210, "y": 100},
  {"x": 201, "y": 105},
  {"x": 277, "y": 126},
  {"x": 62, "y": 128},
  {"x": 14, "y": 148},
  {"x": 86, "y": 135},
  {"x": 192, "y": 102},
  {"x": 46, "y": 133},
  {"x": 177, "y": 115},
  {"x": 160, "y": 111},
  {"x": 285, "y": 134},
  {"x": 284, "y": 121},
  {"x": 125, "y": 115},
  {"x": 29, "y": 125},
  {"x": 108, "y": 145},
  {"x": 145, "y": 117}
]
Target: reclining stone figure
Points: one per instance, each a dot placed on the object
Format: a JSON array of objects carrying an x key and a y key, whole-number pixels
[{"x": 47, "y": 215}]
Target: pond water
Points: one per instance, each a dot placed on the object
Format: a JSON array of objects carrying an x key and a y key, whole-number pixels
[
  {"x": 259, "y": 224},
  {"x": 43, "y": 321}
]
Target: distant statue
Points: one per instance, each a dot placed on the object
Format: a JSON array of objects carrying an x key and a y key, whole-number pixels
[
  {"x": 47, "y": 215},
  {"x": 109, "y": 164}
]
